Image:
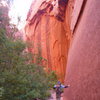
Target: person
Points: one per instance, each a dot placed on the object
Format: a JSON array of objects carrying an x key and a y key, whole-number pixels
[{"x": 59, "y": 89}]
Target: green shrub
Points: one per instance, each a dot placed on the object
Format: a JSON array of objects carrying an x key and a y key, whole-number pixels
[{"x": 20, "y": 79}]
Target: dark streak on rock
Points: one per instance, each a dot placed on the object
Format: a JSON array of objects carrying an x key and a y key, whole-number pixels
[
  {"x": 62, "y": 8},
  {"x": 37, "y": 17},
  {"x": 49, "y": 7}
]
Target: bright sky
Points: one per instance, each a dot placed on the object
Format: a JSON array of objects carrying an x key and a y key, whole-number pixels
[{"x": 20, "y": 8}]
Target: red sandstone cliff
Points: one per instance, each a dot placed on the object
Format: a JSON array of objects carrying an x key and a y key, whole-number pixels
[
  {"x": 46, "y": 31},
  {"x": 67, "y": 34},
  {"x": 83, "y": 65}
]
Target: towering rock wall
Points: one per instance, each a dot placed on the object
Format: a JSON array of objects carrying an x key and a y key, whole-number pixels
[
  {"x": 45, "y": 30},
  {"x": 67, "y": 32},
  {"x": 83, "y": 67}
]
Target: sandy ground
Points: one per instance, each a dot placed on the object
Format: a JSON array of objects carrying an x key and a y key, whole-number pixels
[{"x": 53, "y": 96}]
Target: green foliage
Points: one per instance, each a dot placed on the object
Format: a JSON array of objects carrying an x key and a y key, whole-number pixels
[
  {"x": 20, "y": 79},
  {"x": 9, "y": 29}
]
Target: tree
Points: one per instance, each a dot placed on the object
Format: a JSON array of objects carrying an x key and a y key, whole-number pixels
[{"x": 20, "y": 79}]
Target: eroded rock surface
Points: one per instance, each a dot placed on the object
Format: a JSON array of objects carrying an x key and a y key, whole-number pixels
[
  {"x": 83, "y": 68},
  {"x": 66, "y": 33},
  {"x": 45, "y": 30}
]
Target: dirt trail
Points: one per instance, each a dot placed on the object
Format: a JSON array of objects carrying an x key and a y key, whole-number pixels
[{"x": 53, "y": 96}]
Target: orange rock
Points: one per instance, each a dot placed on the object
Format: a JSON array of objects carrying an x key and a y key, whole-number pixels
[
  {"x": 45, "y": 30},
  {"x": 83, "y": 68},
  {"x": 55, "y": 27}
]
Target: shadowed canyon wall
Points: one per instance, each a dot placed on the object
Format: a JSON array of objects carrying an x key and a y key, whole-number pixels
[
  {"x": 66, "y": 33},
  {"x": 83, "y": 65}
]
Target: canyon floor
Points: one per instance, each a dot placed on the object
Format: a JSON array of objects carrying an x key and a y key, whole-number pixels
[{"x": 53, "y": 96}]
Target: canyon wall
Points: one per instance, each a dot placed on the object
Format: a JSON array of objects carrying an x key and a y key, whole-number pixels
[
  {"x": 45, "y": 30},
  {"x": 83, "y": 65},
  {"x": 66, "y": 33}
]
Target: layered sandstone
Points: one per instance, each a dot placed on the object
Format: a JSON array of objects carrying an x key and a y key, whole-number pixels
[{"x": 46, "y": 31}]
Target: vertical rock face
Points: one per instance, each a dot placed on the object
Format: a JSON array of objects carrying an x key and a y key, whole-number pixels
[
  {"x": 53, "y": 25},
  {"x": 45, "y": 30},
  {"x": 83, "y": 68}
]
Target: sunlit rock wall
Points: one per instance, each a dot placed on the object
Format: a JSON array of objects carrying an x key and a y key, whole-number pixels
[
  {"x": 83, "y": 68},
  {"x": 46, "y": 31},
  {"x": 66, "y": 33}
]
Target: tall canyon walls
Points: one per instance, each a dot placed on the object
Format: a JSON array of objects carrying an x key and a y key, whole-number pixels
[{"x": 66, "y": 33}]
